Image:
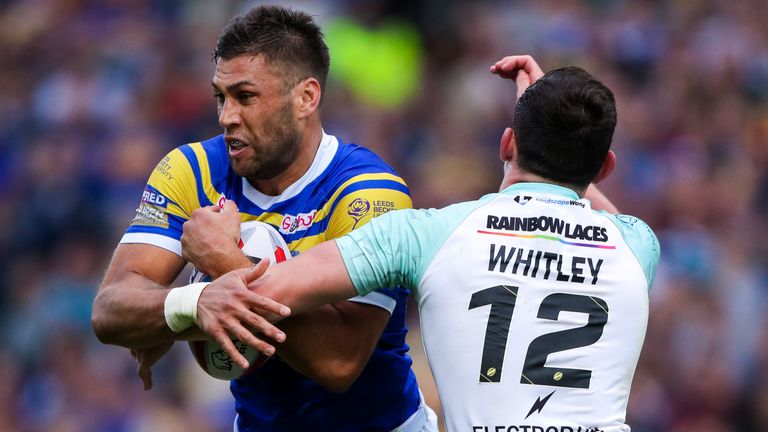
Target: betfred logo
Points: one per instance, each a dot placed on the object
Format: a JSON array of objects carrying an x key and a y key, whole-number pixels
[
  {"x": 155, "y": 198},
  {"x": 300, "y": 222}
]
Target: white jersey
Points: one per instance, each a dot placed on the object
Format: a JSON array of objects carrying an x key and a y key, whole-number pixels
[{"x": 533, "y": 306}]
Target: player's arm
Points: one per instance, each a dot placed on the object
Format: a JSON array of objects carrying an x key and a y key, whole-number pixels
[
  {"x": 315, "y": 278},
  {"x": 333, "y": 353},
  {"x": 524, "y": 70},
  {"x": 130, "y": 307},
  {"x": 134, "y": 305}
]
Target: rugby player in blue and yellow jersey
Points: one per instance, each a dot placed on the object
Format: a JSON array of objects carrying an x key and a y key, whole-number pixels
[{"x": 343, "y": 367}]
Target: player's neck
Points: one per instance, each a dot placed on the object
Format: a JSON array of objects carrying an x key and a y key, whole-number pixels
[
  {"x": 519, "y": 176},
  {"x": 310, "y": 142}
]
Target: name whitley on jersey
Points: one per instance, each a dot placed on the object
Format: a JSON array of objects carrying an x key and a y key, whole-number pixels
[{"x": 545, "y": 265}]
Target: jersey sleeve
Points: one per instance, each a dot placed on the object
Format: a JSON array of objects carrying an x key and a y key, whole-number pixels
[
  {"x": 358, "y": 202},
  {"x": 397, "y": 248},
  {"x": 166, "y": 203},
  {"x": 642, "y": 241}
]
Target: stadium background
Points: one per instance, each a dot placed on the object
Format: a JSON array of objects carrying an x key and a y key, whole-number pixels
[{"x": 94, "y": 92}]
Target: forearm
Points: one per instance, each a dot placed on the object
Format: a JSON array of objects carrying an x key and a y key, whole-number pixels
[
  {"x": 129, "y": 312},
  {"x": 315, "y": 278},
  {"x": 129, "y": 307},
  {"x": 224, "y": 263}
]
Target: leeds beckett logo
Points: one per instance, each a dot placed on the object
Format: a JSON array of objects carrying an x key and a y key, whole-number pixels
[{"x": 358, "y": 208}]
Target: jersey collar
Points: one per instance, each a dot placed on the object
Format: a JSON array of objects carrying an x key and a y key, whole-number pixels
[
  {"x": 325, "y": 153},
  {"x": 545, "y": 188}
]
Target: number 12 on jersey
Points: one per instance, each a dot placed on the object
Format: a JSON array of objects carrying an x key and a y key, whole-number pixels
[{"x": 502, "y": 300}]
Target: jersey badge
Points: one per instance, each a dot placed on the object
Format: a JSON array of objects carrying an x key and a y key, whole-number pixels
[{"x": 358, "y": 208}]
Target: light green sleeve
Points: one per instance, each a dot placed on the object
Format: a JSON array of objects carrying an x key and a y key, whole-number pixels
[
  {"x": 396, "y": 248},
  {"x": 641, "y": 240}
]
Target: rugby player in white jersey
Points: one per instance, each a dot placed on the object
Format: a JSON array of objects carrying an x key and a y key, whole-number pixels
[{"x": 533, "y": 305}]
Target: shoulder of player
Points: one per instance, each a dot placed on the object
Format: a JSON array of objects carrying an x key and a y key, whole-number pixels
[
  {"x": 634, "y": 229},
  {"x": 357, "y": 169},
  {"x": 353, "y": 159},
  {"x": 209, "y": 156}
]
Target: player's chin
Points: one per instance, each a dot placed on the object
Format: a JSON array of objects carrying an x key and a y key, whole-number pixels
[{"x": 244, "y": 167}]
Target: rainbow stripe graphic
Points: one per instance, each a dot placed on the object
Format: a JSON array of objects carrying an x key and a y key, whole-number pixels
[{"x": 546, "y": 237}]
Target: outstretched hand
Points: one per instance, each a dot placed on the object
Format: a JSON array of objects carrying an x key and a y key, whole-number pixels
[
  {"x": 228, "y": 310},
  {"x": 523, "y": 69}
]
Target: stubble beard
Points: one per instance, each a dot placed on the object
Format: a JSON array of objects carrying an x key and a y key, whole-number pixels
[{"x": 275, "y": 152}]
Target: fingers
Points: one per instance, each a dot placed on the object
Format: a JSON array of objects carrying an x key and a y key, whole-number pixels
[
  {"x": 234, "y": 329},
  {"x": 145, "y": 373},
  {"x": 228, "y": 346},
  {"x": 228, "y": 310},
  {"x": 252, "y": 273},
  {"x": 522, "y": 81},
  {"x": 229, "y": 206},
  {"x": 508, "y": 67},
  {"x": 257, "y": 301}
]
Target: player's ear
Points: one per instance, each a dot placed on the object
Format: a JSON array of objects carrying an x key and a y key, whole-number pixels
[
  {"x": 608, "y": 165},
  {"x": 307, "y": 97},
  {"x": 507, "y": 146}
]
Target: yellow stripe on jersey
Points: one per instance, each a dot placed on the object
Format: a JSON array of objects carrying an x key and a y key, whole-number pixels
[
  {"x": 274, "y": 219},
  {"x": 205, "y": 173},
  {"x": 323, "y": 212},
  {"x": 173, "y": 177}
]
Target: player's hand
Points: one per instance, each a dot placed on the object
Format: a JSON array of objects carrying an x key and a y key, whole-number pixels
[
  {"x": 210, "y": 238},
  {"x": 228, "y": 310},
  {"x": 521, "y": 68},
  {"x": 147, "y": 358}
]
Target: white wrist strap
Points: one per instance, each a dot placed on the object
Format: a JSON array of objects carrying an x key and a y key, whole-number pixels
[{"x": 181, "y": 306}]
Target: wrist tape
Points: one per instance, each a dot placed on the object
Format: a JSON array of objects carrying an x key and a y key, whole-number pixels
[{"x": 181, "y": 306}]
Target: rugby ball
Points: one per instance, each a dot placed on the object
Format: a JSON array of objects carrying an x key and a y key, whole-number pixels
[{"x": 257, "y": 240}]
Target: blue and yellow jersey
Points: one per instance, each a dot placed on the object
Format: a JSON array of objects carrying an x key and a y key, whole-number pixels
[{"x": 345, "y": 187}]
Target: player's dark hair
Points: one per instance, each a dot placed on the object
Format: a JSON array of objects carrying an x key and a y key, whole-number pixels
[
  {"x": 286, "y": 38},
  {"x": 564, "y": 125}
]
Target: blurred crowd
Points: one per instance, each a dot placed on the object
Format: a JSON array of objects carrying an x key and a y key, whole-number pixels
[{"x": 94, "y": 92}]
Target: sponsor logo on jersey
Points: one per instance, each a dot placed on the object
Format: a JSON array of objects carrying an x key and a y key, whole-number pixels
[
  {"x": 164, "y": 168},
  {"x": 382, "y": 206},
  {"x": 532, "y": 428},
  {"x": 522, "y": 199},
  {"x": 152, "y": 209},
  {"x": 150, "y": 214},
  {"x": 549, "y": 224},
  {"x": 154, "y": 198},
  {"x": 562, "y": 202},
  {"x": 357, "y": 209},
  {"x": 539, "y": 404},
  {"x": 299, "y": 222}
]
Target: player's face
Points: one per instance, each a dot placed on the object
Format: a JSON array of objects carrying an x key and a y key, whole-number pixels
[{"x": 257, "y": 115}]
